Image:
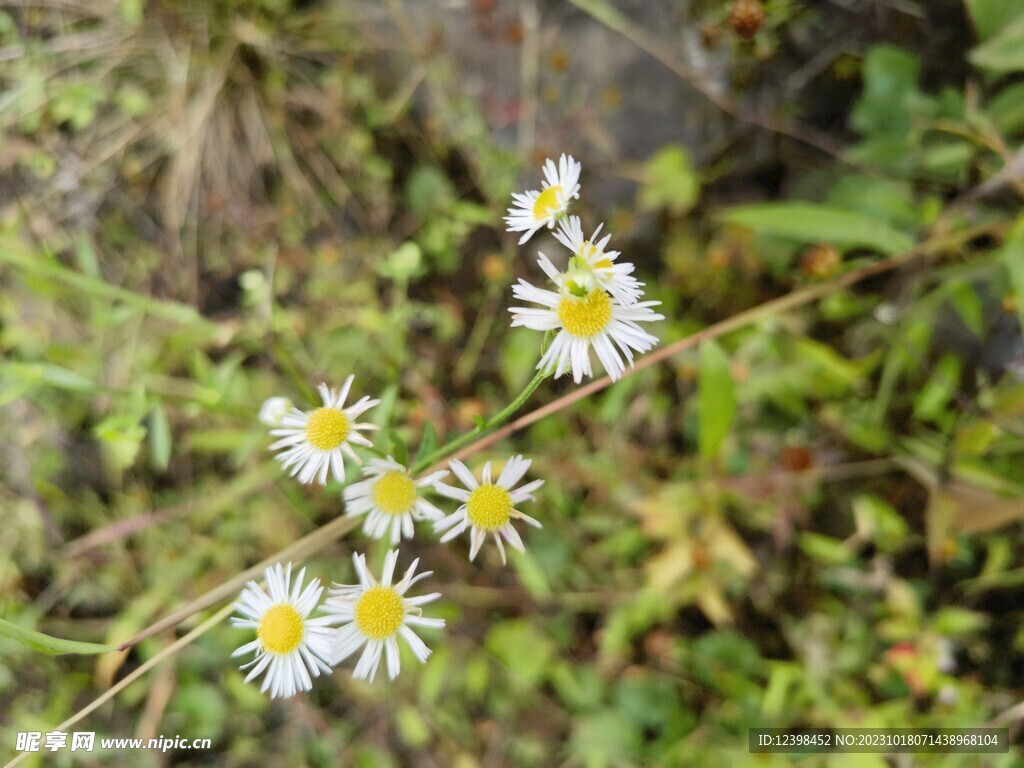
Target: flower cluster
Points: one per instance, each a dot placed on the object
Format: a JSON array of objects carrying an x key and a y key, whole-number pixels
[
  {"x": 595, "y": 303},
  {"x": 292, "y": 647}
]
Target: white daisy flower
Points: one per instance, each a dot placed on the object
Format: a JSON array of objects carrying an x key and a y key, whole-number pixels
[
  {"x": 591, "y": 256},
  {"x": 274, "y": 409},
  {"x": 533, "y": 209},
  {"x": 585, "y": 316},
  {"x": 315, "y": 440},
  {"x": 289, "y": 645},
  {"x": 488, "y": 506},
  {"x": 376, "y": 614},
  {"x": 390, "y": 499}
]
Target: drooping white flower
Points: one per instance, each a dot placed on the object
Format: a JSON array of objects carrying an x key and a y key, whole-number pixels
[
  {"x": 535, "y": 209},
  {"x": 375, "y": 613},
  {"x": 314, "y": 440},
  {"x": 591, "y": 256},
  {"x": 391, "y": 499},
  {"x": 489, "y": 506},
  {"x": 291, "y": 647},
  {"x": 585, "y": 316}
]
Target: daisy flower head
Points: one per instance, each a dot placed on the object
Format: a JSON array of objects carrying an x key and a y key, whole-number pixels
[
  {"x": 591, "y": 257},
  {"x": 585, "y": 316},
  {"x": 312, "y": 442},
  {"x": 291, "y": 647},
  {"x": 390, "y": 499},
  {"x": 535, "y": 209},
  {"x": 488, "y": 506},
  {"x": 375, "y": 613}
]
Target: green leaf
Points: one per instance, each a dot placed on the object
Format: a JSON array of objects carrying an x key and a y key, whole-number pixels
[
  {"x": 122, "y": 435},
  {"x": 132, "y": 12},
  {"x": 14, "y": 253},
  {"x": 878, "y": 522},
  {"x": 813, "y": 223},
  {"x": 76, "y": 104},
  {"x": 891, "y": 97},
  {"x": 824, "y": 549},
  {"x": 931, "y": 400},
  {"x": 888, "y": 202},
  {"x": 1006, "y": 109},
  {"x": 399, "y": 450},
  {"x": 507, "y": 641},
  {"x": 403, "y": 263},
  {"x": 957, "y": 622},
  {"x": 52, "y": 645},
  {"x": 33, "y": 374},
  {"x": 671, "y": 181},
  {"x": 990, "y": 16},
  {"x": 411, "y": 726},
  {"x": 428, "y": 191},
  {"x": 1012, "y": 257},
  {"x": 159, "y": 434},
  {"x": 717, "y": 398},
  {"x": 428, "y": 443},
  {"x": 967, "y": 304},
  {"x": 1002, "y": 53},
  {"x": 974, "y": 439}
]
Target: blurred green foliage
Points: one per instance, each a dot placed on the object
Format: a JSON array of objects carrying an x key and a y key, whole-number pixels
[{"x": 815, "y": 521}]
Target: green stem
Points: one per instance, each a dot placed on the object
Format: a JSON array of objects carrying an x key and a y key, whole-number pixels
[{"x": 493, "y": 423}]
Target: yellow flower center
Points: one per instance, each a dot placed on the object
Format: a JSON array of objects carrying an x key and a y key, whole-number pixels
[
  {"x": 394, "y": 493},
  {"x": 327, "y": 428},
  {"x": 379, "y": 612},
  {"x": 585, "y": 317},
  {"x": 489, "y": 507},
  {"x": 547, "y": 202},
  {"x": 280, "y": 630},
  {"x": 589, "y": 251}
]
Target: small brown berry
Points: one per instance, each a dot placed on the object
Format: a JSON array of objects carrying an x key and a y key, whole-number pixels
[
  {"x": 746, "y": 17},
  {"x": 820, "y": 262}
]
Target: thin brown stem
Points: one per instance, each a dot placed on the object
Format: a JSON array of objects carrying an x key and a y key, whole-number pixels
[
  {"x": 308, "y": 545},
  {"x": 741, "y": 320}
]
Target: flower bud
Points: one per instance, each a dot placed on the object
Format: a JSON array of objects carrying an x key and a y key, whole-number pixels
[{"x": 273, "y": 410}]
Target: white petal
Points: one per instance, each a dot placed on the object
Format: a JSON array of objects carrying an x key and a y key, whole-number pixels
[{"x": 463, "y": 473}]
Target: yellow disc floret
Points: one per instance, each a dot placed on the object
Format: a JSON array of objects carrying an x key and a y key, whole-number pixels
[
  {"x": 327, "y": 428},
  {"x": 280, "y": 629},
  {"x": 394, "y": 493},
  {"x": 547, "y": 202},
  {"x": 379, "y": 612},
  {"x": 489, "y": 507},
  {"x": 587, "y": 316},
  {"x": 589, "y": 252}
]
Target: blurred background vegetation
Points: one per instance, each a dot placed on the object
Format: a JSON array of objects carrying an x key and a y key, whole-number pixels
[{"x": 817, "y": 522}]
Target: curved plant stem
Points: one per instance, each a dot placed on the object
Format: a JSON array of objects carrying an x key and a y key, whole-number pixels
[
  {"x": 308, "y": 545},
  {"x": 451, "y": 448}
]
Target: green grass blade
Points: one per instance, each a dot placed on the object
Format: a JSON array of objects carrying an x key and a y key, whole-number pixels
[{"x": 47, "y": 644}]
